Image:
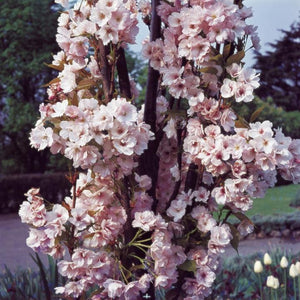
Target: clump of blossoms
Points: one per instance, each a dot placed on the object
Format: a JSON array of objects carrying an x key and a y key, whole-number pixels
[{"x": 153, "y": 188}]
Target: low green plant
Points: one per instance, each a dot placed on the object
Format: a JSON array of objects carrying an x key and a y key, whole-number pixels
[
  {"x": 276, "y": 222},
  {"x": 237, "y": 279},
  {"x": 296, "y": 200},
  {"x": 29, "y": 284}
]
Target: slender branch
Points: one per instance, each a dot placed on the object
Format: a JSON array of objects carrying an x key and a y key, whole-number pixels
[
  {"x": 153, "y": 75},
  {"x": 180, "y": 137},
  {"x": 149, "y": 161},
  {"x": 179, "y": 161},
  {"x": 124, "y": 198},
  {"x": 191, "y": 177},
  {"x": 104, "y": 69},
  {"x": 124, "y": 82},
  {"x": 112, "y": 72}
]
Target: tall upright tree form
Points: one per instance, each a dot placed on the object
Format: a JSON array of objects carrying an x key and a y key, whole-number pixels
[
  {"x": 27, "y": 40},
  {"x": 153, "y": 188},
  {"x": 280, "y": 70}
]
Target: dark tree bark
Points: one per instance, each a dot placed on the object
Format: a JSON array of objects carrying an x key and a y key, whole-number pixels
[
  {"x": 149, "y": 162},
  {"x": 122, "y": 69}
]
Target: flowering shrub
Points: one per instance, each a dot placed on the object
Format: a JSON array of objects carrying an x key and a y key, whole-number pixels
[{"x": 153, "y": 189}]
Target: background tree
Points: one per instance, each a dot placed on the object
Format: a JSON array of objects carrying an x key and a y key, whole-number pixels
[
  {"x": 27, "y": 39},
  {"x": 137, "y": 68},
  {"x": 280, "y": 70},
  {"x": 289, "y": 121},
  {"x": 279, "y": 92}
]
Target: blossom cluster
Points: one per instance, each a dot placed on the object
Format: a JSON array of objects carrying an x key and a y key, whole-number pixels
[
  {"x": 82, "y": 28},
  {"x": 99, "y": 137},
  {"x": 248, "y": 158},
  {"x": 123, "y": 232},
  {"x": 186, "y": 57}
]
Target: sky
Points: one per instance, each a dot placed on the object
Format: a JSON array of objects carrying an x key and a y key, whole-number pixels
[{"x": 269, "y": 15}]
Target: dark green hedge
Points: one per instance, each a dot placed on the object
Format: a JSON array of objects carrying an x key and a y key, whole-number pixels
[
  {"x": 296, "y": 201},
  {"x": 53, "y": 187},
  {"x": 285, "y": 225},
  {"x": 281, "y": 222}
]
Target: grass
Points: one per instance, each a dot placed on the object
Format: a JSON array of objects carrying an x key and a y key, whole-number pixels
[{"x": 276, "y": 201}]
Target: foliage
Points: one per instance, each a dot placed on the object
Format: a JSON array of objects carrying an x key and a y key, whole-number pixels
[
  {"x": 280, "y": 222},
  {"x": 54, "y": 187},
  {"x": 289, "y": 121},
  {"x": 280, "y": 69},
  {"x": 296, "y": 200},
  {"x": 137, "y": 69},
  {"x": 27, "y": 38},
  {"x": 30, "y": 284},
  {"x": 237, "y": 279}
]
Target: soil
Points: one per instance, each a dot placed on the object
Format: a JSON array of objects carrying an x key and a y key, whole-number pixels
[{"x": 14, "y": 253}]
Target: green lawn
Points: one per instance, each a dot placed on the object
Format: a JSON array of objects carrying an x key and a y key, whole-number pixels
[{"x": 276, "y": 201}]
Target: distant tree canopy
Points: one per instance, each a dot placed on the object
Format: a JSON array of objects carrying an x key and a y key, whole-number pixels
[
  {"x": 138, "y": 69},
  {"x": 289, "y": 121},
  {"x": 27, "y": 39},
  {"x": 280, "y": 70}
]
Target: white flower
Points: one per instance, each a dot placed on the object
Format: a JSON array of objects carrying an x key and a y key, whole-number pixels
[
  {"x": 114, "y": 287},
  {"x": 258, "y": 267},
  {"x": 228, "y": 88},
  {"x": 59, "y": 108},
  {"x": 63, "y": 3},
  {"x": 272, "y": 282},
  {"x": 145, "y": 220},
  {"x": 267, "y": 259},
  {"x": 41, "y": 137},
  {"x": 284, "y": 262},
  {"x": 125, "y": 112},
  {"x": 175, "y": 172},
  {"x": 293, "y": 271},
  {"x": 297, "y": 264}
]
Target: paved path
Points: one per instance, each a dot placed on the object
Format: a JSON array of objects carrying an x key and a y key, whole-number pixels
[
  {"x": 14, "y": 252},
  {"x": 13, "y": 249}
]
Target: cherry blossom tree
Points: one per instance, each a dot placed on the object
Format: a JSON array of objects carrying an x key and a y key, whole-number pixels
[{"x": 152, "y": 188}]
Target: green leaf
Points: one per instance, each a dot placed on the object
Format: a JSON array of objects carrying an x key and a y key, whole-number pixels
[
  {"x": 85, "y": 84},
  {"x": 55, "y": 67},
  {"x": 226, "y": 50},
  {"x": 242, "y": 217},
  {"x": 75, "y": 100},
  {"x": 235, "y": 58},
  {"x": 217, "y": 58},
  {"x": 41, "y": 267},
  {"x": 255, "y": 115},
  {"x": 209, "y": 70},
  {"x": 241, "y": 123},
  {"x": 188, "y": 265},
  {"x": 235, "y": 237},
  {"x": 55, "y": 80}
]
